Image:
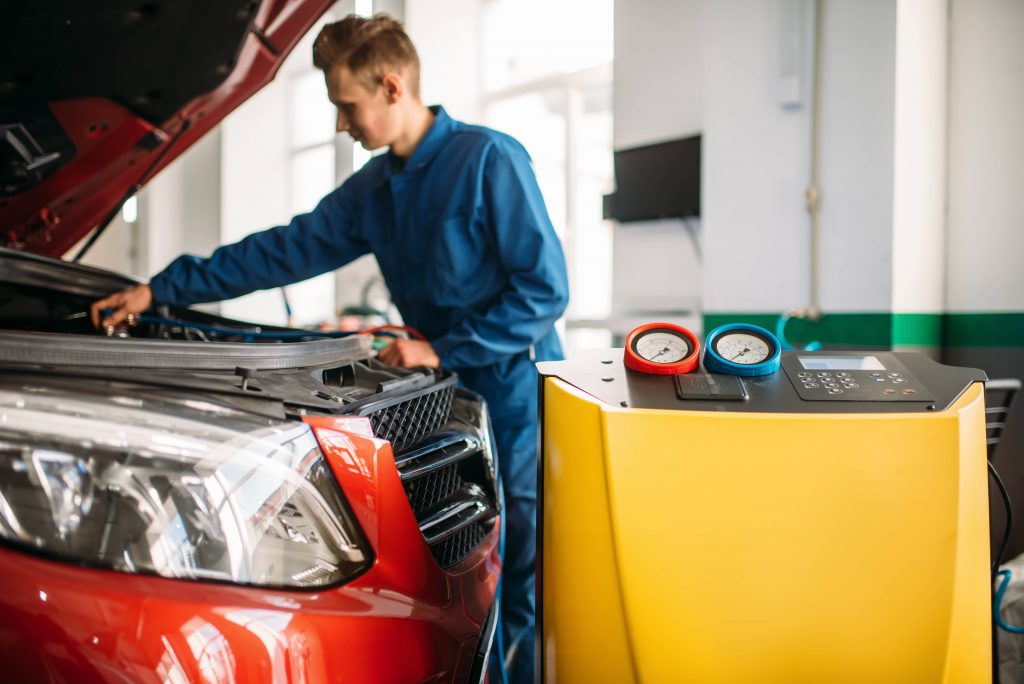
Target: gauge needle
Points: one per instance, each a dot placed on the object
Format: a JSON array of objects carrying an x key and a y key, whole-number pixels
[
  {"x": 745, "y": 350},
  {"x": 666, "y": 349}
]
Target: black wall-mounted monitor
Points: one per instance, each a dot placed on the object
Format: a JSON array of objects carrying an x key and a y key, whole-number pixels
[{"x": 656, "y": 181}]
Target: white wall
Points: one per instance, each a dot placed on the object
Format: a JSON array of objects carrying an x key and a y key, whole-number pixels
[
  {"x": 657, "y": 70},
  {"x": 665, "y": 280},
  {"x": 117, "y": 249},
  {"x": 986, "y": 156},
  {"x": 856, "y": 154},
  {"x": 750, "y": 99},
  {"x": 254, "y": 186},
  {"x": 446, "y": 33},
  {"x": 180, "y": 209},
  {"x": 756, "y": 165}
]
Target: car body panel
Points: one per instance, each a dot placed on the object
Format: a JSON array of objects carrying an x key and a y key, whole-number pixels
[{"x": 403, "y": 620}]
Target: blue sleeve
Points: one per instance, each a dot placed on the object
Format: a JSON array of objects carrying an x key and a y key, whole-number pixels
[
  {"x": 537, "y": 287},
  {"x": 311, "y": 244}
]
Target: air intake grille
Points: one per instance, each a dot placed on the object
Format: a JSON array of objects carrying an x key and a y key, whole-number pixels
[
  {"x": 404, "y": 423},
  {"x": 431, "y": 489},
  {"x": 447, "y": 471},
  {"x": 461, "y": 544},
  {"x": 451, "y": 490}
]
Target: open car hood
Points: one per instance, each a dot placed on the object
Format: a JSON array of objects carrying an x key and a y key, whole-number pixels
[{"x": 97, "y": 97}]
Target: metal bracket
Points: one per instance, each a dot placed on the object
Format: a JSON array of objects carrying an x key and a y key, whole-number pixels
[{"x": 26, "y": 146}]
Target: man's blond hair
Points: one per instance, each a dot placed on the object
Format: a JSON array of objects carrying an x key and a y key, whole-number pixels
[{"x": 369, "y": 48}]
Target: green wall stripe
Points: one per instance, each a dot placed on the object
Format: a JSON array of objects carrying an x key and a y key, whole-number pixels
[
  {"x": 886, "y": 330},
  {"x": 855, "y": 330},
  {"x": 917, "y": 329},
  {"x": 984, "y": 329}
]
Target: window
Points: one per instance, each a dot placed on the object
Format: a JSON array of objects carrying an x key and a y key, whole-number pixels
[
  {"x": 311, "y": 175},
  {"x": 281, "y": 157}
]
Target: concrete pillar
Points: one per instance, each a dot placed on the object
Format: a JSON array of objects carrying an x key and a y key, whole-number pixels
[{"x": 919, "y": 158}]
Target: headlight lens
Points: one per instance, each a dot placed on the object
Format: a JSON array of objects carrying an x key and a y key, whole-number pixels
[{"x": 216, "y": 495}]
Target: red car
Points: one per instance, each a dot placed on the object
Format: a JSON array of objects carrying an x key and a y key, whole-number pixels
[{"x": 194, "y": 498}]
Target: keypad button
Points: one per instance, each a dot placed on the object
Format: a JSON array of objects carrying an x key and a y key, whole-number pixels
[
  {"x": 851, "y": 385},
  {"x": 899, "y": 381},
  {"x": 842, "y": 375},
  {"x": 811, "y": 385},
  {"x": 909, "y": 391},
  {"x": 895, "y": 375},
  {"x": 834, "y": 390},
  {"x": 831, "y": 385},
  {"x": 878, "y": 379},
  {"x": 888, "y": 390},
  {"x": 876, "y": 375}
]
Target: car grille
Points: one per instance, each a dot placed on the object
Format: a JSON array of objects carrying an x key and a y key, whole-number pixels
[
  {"x": 445, "y": 471},
  {"x": 426, "y": 492},
  {"x": 451, "y": 493},
  {"x": 461, "y": 544},
  {"x": 407, "y": 421}
]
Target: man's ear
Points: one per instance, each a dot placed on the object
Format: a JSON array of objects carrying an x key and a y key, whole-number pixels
[{"x": 394, "y": 87}]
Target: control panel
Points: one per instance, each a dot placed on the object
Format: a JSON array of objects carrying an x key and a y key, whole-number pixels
[{"x": 853, "y": 377}]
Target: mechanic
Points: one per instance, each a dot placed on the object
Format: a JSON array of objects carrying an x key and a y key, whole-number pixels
[{"x": 455, "y": 218}]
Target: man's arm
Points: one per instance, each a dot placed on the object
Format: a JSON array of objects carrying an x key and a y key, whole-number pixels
[
  {"x": 311, "y": 244},
  {"x": 537, "y": 291}
]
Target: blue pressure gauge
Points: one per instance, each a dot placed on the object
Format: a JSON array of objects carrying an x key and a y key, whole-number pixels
[{"x": 742, "y": 349}]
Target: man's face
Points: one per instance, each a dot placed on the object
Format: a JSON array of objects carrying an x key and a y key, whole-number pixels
[{"x": 365, "y": 115}]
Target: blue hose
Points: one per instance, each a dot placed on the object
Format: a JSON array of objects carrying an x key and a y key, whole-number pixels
[
  {"x": 1005, "y": 576},
  {"x": 780, "y": 332}
]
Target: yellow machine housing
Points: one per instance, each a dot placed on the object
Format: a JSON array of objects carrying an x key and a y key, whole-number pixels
[{"x": 714, "y": 541}]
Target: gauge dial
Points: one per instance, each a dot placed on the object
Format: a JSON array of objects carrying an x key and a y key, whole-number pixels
[
  {"x": 661, "y": 348},
  {"x": 742, "y": 349}
]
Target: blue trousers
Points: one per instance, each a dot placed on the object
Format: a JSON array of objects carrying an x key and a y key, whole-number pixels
[{"x": 516, "y": 438}]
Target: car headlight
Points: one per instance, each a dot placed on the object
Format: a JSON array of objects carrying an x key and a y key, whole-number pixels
[{"x": 186, "y": 490}]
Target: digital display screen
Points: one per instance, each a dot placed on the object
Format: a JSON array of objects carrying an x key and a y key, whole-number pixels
[{"x": 841, "y": 363}]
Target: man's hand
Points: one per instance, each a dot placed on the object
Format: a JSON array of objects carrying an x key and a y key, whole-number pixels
[
  {"x": 133, "y": 300},
  {"x": 409, "y": 354}
]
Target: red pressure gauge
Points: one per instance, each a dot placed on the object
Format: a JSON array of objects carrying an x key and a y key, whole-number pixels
[{"x": 662, "y": 349}]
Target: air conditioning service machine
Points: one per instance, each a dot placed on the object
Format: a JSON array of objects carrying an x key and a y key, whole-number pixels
[{"x": 767, "y": 516}]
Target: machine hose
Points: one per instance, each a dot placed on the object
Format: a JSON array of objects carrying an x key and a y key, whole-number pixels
[
  {"x": 1005, "y": 577},
  {"x": 780, "y": 332}
]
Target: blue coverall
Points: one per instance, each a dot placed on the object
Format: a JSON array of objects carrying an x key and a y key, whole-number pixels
[{"x": 469, "y": 253}]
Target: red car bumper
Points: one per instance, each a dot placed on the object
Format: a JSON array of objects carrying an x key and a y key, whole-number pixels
[{"x": 403, "y": 620}]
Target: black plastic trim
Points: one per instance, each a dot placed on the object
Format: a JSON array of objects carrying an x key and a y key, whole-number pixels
[
  {"x": 441, "y": 455},
  {"x": 456, "y": 517},
  {"x": 478, "y": 673}
]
